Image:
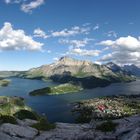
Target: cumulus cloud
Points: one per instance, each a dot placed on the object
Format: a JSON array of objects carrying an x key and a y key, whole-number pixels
[
  {"x": 125, "y": 50},
  {"x": 76, "y": 43},
  {"x": 28, "y": 7},
  {"x": 40, "y": 33},
  {"x": 84, "y": 52},
  {"x": 71, "y": 32},
  {"x": 11, "y": 39},
  {"x": 129, "y": 43},
  {"x": 76, "y": 47}
]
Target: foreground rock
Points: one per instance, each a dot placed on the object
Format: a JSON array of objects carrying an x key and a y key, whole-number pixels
[
  {"x": 126, "y": 129},
  {"x": 18, "y": 131}
]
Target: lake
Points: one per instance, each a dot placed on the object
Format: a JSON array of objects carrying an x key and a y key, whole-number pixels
[{"x": 58, "y": 107}]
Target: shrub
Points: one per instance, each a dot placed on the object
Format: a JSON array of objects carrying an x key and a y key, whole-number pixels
[
  {"x": 25, "y": 114},
  {"x": 43, "y": 125},
  {"x": 18, "y": 101},
  {"x": 8, "y": 119},
  {"x": 107, "y": 126}
]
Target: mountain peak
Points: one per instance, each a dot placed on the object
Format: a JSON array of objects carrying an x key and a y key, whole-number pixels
[
  {"x": 111, "y": 64},
  {"x": 66, "y": 60},
  {"x": 114, "y": 67}
]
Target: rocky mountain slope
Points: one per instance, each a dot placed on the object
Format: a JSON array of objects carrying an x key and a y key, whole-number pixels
[
  {"x": 133, "y": 69},
  {"x": 115, "y": 68},
  {"x": 77, "y": 68}
]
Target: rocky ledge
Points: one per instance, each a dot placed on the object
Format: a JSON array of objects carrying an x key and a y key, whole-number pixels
[{"x": 126, "y": 129}]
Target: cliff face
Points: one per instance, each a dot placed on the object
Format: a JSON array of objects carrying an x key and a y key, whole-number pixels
[{"x": 76, "y": 68}]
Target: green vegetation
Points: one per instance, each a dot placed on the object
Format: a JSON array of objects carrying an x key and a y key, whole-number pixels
[
  {"x": 43, "y": 125},
  {"x": 7, "y": 119},
  {"x": 11, "y": 105},
  {"x": 32, "y": 74},
  {"x": 13, "y": 108},
  {"x": 25, "y": 114},
  {"x": 56, "y": 90},
  {"x": 85, "y": 116},
  {"x": 4, "y": 82},
  {"x": 107, "y": 126}
]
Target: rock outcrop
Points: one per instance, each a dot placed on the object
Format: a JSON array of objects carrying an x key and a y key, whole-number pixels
[{"x": 127, "y": 129}]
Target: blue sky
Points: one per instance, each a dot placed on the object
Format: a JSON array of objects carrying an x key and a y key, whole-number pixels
[{"x": 37, "y": 32}]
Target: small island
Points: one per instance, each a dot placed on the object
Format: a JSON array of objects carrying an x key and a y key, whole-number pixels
[
  {"x": 4, "y": 82},
  {"x": 56, "y": 90}
]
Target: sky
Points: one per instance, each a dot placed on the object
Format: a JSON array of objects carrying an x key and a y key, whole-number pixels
[{"x": 38, "y": 32}]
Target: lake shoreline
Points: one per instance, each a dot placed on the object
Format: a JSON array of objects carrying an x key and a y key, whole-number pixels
[{"x": 61, "y": 105}]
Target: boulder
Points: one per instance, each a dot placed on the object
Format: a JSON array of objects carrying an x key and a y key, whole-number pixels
[
  {"x": 18, "y": 131},
  {"x": 26, "y": 122},
  {"x": 4, "y": 136}
]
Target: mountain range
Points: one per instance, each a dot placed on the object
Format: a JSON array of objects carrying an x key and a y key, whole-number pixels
[
  {"x": 82, "y": 73},
  {"x": 133, "y": 69},
  {"x": 73, "y": 68}
]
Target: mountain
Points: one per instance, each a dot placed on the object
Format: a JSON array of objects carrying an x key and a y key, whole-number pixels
[
  {"x": 114, "y": 67},
  {"x": 133, "y": 69},
  {"x": 77, "y": 69},
  {"x": 118, "y": 69}
]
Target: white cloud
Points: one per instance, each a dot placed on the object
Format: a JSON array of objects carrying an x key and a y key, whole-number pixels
[
  {"x": 130, "y": 43},
  {"x": 86, "y": 24},
  {"x": 124, "y": 50},
  {"x": 112, "y": 34},
  {"x": 84, "y": 52},
  {"x": 13, "y": 1},
  {"x": 49, "y": 51},
  {"x": 76, "y": 43},
  {"x": 71, "y": 32},
  {"x": 55, "y": 58},
  {"x": 96, "y": 27},
  {"x": 7, "y": 1},
  {"x": 97, "y": 62},
  {"x": 11, "y": 39},
  {"x": 40, "y": 33},
  {"x": 27, "y": 8}
]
